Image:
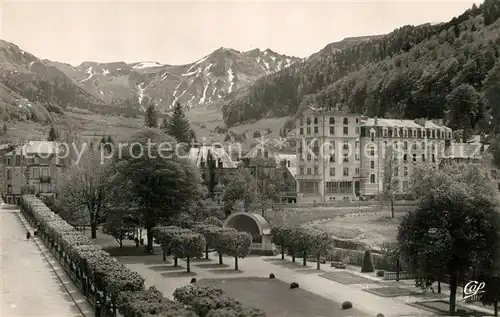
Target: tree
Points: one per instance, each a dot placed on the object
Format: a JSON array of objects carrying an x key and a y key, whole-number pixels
[
  {"x": 164, "y": 124},
  {"x": 492, "y": 96},
  {"x": 465, "y": 105},
  {"x": 222, "y": 235},
  {"x": 211, "y": 166},
  {"x": 165, "y": 236},
  {"x": 151, "y": 118},
  {"x": 455, "y": 227},
  {"x": 84, "y": 186},
  {"x": 367, "y": 266},
  {"x": 178, "y": 126},
  {"x": 236, "y": 244},
  {"x": 241, "y": 186},
  {"x": 322, "y": 243},
  {"x": 280, "y": 236},
  {"x": 161, "y": 188},
  {"x": 121, "y": 216},
  {"x": 52, "y": 134},
  {"x": 187, "y": 245},
  {"x": 390, "y": 182},
  {"x": 210, "y": 234}
]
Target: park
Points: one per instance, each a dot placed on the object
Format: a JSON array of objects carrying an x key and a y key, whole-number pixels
[{"x": 156, "y": 243}]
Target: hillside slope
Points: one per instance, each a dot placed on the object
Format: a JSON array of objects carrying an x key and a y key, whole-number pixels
[{"x": 408, "y": 73}]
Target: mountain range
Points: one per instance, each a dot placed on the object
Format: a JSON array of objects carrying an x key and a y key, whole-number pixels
[{"x": 31, "y": 86}]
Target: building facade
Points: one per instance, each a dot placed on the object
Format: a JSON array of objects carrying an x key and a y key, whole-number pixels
[
  {"x": 344, "y": 156},
  {"x": 33, "y": 165}
]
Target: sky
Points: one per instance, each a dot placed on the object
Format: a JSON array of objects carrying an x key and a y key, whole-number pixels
[{"x": 183, "y": 32}]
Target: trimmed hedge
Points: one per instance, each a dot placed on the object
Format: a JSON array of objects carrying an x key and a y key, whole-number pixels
[
  {"x": 354, "y": 257},
  {"x": 95, "y": 267}
]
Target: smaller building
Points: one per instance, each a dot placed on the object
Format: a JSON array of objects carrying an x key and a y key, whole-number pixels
[
  {"x": 200, "y": 157},
  {"x": 258, "y": 227},
  {"x": 35, "y": 166}
]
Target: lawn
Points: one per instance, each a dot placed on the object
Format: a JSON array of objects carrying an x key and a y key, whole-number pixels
[
  {"x": 370, "y": 228},
  {"x": 277, "y": 299}
]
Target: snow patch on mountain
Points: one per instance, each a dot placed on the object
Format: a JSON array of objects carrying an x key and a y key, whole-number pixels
[
  {"x": 141, "y": 92},
  {"x": 230, "y": 77},
  {"x": 142, "y": 65},
  {"x": 89, "y": 71}
]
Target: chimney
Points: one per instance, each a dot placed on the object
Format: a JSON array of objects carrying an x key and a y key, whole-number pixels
[{"x": 376, "y": 121}]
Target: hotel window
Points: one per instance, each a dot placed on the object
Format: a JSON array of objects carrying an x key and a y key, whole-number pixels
[
  {"x": 346, "y": 171},
  {"x": 332, "y": 171},
  {"x": 356, "y": 156},
  {"x": 301, "y": 171},
  {"x": 405, "y": 133},
  {"x": 414, "y": 133},
  {"x": 315, "y": 120},
  {"x": 357, "y": 120},
  {"x": 332, "y": 120},
  {"x": 372, "y": 135},
  {"x": 423, "y": 133},
  {"x": 346, "y": 121},
  {"x": 405, "y": 173},
  {"x": 414, "y": 158},
  {"x": 308, "y": 130},
  {"x": 308, "y": 171},
  {"x": 308, "y": 121},
  {"x": 423, "y": 145},
  {"x": 356, "y": 144},
  {"x": 356, "y": 130},
  {"x": 332, "y": 158},
  {"x": 372, "y": 178},
  {"x": 309, "y": 157},
  {"x": 315, "y": 130},
  {"x": 372, "y": 150},
  {"x": 301, "y": 121},
  {"x": 414, "y": 146},
  {"x": 405, "y": 185},
  {"x": 346, "y": 158},
  {"x": 433, "y": 158},
  {"x": 316, "y": 172},
  {"x": 384, "y": 132},
  {"x": 372, "y": 164},
  {"x": 18, "y": 160},
  {"x": 356, "y": 171},
  {"x": 395, "y": 132},
  {"x": 396, "y": 171},
  {"x": 405, "y": 145},
  {"x": 346, "y": 130},
  {"x": 9, "y": 161},
  {"x": 423, "y": 157},
  {"x": 332, "y": 130},
  {"x": 405, "y": 158},
  {"x": 345, "y": 145},
  {"x": 433, "y": 146},
  {"x": 9, "y": 189},
  {"x": 396, "y": 145},
  {"x": 433, "y": 134},
  {"x": 9, "y": 174},
  {"x": 301, "y": 131},
  {"x": 385, "y": 143}
]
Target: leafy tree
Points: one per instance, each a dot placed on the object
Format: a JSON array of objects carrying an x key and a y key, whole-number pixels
[
  {"x": 151, "y": 118},
  {"x": 161, "y": 187},
  {"x": 241, "y": 186},
  {"x": 84, "y": 186},
  {"x": 492, "y": 96},
  {"x": 164, "y": 124},
  {"x": 322, "y": 243},
  {"x": 211, "y": 166},
  {"x": 303, "y": 243},
  {"x": 165, "y": 236},
  {"x": 178, "y": 126},
  {"x": 233, "y": 243},
  {"x": 465, "y": 105},
  {"x": 52, "y": 134},
  {"x": 121, "y": 216},
  {"x": 280, "y": 236},
  {"x": 495, "y": 150},
  {"x": 455, "y": 227},
  {"x": 187, "y": 245},
  {"x": 210, "y": 234},
  {"x": 295, "y": 241},
  {"x": 367, "y": 266}
]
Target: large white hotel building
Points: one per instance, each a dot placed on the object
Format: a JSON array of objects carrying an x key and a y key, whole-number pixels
[{"x": 342, "y": 156}]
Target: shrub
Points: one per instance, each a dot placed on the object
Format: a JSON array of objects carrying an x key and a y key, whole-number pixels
[
  {"x": 193, "y": 280},
  {"x": 294, "y": 285},
  {"x": 346, "y": 305},
  {"x": 380, "y": 273},
  {"x": 380, "y": 315},
  {"x": 271, "y": 275},
  {"x": 367, "y": 266}
]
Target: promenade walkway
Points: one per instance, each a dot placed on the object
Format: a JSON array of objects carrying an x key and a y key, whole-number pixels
[{"x": 28, "y": 282}]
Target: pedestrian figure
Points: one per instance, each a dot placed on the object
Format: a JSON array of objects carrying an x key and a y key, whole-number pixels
[
  {"x": 35, "y": 233},
  {"x": 28, "y": 235}
]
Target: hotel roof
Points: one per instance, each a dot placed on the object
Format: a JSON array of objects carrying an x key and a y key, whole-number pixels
[{"x": 197, "y": 155}]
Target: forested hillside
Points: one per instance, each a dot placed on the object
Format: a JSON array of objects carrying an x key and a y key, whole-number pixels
[{"x": 449, "y": 70}]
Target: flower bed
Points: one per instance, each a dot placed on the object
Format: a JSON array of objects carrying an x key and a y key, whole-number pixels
[{"x": 101, "y": 277}]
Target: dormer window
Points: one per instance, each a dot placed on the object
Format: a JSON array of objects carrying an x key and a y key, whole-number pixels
[
  {"x": 423, "y": 133},
  {"x": 405, "y": 133},
  {"x": 384, "y": 132},
  {"x": 395, "y": 132},
  {"x": 372, "y": 134},
  {"x": 315, "y": 120},
  {"x": 414, "y": 133},
  {"x": 346, "y": 121},
  {"x": 433, "y": 134},
  {"x": 442, "y": 134},
  {"x": 308, "y": 121}
]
